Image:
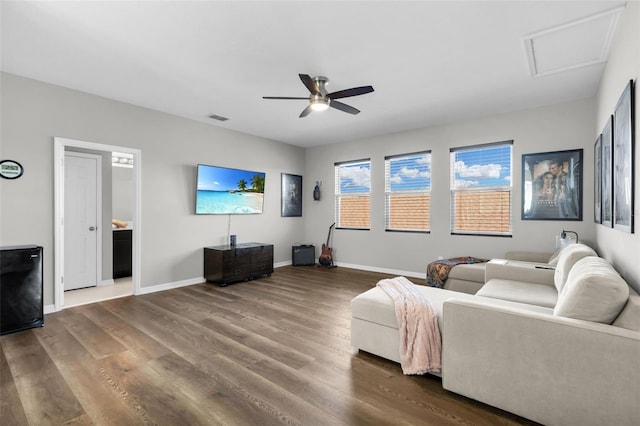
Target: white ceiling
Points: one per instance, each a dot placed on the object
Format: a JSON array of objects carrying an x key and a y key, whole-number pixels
[{"x": 429, "y": 62}]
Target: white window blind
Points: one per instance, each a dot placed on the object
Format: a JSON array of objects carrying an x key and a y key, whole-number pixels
[
  {"x": 353, "y": 194},
  {"x": 481, "y": 189},
  {"x": 407, "y": 192}
]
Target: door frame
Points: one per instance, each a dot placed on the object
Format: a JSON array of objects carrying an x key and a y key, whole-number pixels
[
  {"x": 58, "y": 166},
  {"x": 98, "y": 159}
]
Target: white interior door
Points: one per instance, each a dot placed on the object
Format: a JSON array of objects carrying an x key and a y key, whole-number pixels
[{"x": 81, "y": 219}]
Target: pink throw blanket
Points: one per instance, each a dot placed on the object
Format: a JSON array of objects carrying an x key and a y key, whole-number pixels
[{"x": 420, "y": 343}]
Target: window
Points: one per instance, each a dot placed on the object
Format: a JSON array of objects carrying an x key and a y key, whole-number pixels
[
  {"x": 353, "y": 194},
  {"x": 481, "y": 189},
  {"x": 407, "y": 192}
]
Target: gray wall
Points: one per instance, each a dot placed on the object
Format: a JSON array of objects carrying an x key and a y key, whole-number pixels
[
  {"x": 622, "y": 249},
  {"x": 172, "y": 235},
  {"x": 122, "y": 198},
  {"x": 559, "y": 127}
]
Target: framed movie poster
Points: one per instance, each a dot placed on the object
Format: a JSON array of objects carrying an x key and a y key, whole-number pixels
[
  {"x": 597, "y": 180},
  {"x": 291, "y": 200},
  {"x": 552, "y": 185},
  {"x": 607, "y": 173},
  {"x": 623, "y": 161}
]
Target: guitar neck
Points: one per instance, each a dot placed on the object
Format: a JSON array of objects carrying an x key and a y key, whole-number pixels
[{"x": 329, "y": 234}]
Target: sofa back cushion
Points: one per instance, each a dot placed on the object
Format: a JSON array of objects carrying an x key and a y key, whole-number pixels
[
  {"x": 567, "y": 258},
  {"x": 594, "y": 291},
  {"x": 629, "y": 318}
]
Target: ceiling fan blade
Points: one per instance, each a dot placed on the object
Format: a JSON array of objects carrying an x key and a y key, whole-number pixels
[
  {"x": 343, "y": 107},
  {"x": 306, "y": 111},
  {"x": 309, "y": 84},
  {"x": 354, "y": 91},
  {"x": 283, "y": 97}
]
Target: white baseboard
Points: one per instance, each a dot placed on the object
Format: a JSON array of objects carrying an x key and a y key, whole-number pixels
[
  {"x": 49, "y": 309},
  {"x": 281, "y": 264},
  {"x": 192, "y": 281},
  {"x": 106, "y": 282},
  {"x": 412, "y": 274},
  {"x": 384, "y": 270},
  {"x": 169, "y": 286}
]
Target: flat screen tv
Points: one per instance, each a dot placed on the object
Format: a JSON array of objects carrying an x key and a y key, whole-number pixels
[{"x": 220, "y": 190}]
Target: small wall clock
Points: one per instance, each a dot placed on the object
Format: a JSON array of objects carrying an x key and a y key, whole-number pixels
[{"x": 10, "y": 169}]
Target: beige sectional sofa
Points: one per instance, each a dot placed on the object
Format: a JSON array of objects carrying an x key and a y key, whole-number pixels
[
  {"x": 558, "y": 346},
  {"x": 470, "y": 277}
]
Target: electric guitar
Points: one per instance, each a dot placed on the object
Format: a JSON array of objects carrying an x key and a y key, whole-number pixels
[{"x": 326, "y": 256}]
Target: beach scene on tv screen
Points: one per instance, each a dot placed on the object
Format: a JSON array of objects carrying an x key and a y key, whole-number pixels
[{"x": 229, "y": 191}]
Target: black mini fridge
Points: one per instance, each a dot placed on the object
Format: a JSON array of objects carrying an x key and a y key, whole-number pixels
[{"x": 21, "y": 304}]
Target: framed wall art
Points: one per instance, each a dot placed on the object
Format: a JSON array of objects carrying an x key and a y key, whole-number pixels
[
  {"x": 597, "y": 180},
  {"x": 552, "y": 185},
  {"x": 291, "y": 200},
  {"x": 606, "y": 140},
  {"x": 623, "y": 152}
]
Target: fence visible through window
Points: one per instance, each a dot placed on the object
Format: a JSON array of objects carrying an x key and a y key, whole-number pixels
[
  {"x": 407, "y": 192},
  {"x": 481, "y": 188}
]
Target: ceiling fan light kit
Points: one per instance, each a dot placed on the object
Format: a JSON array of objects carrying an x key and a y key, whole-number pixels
[
  {"x": 318, "y": 103},
  {"x": 320, "y": 100}
]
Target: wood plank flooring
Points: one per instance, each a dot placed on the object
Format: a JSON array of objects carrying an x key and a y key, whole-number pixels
[{"x": 270, "y": 351}]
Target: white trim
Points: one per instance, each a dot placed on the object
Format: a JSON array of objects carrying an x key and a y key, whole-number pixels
[
  {"x": 106, "y": 282},
  {"x": 368, "y": 268},
  {"x": 281, "y": 264},
  {"x": 172, "y": 285},
  {"x": 49, "y": 309},
  {"x": 58, "y": 166},
  {"x": 58, "y": 230},
  {"x": 136, "y": 236},
  {"x": 384, "y": 270}
]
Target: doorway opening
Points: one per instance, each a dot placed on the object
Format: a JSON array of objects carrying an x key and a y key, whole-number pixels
[{"x": 109, "y": 288}]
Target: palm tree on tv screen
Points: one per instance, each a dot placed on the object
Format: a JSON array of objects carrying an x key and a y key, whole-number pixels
[
  {"x": 258, "y": 183},
  {"x": 242, "y": 185}
]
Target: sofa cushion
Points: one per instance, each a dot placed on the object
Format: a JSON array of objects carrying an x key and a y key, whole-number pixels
[
  {"x": 594, "y": 291},
  {"x": 521, "y": 292},
  {"x": 629, "y": 317},
  {"x": 374, "y": 305},
  {"x": 567, "y": 258},
  {"x": 469, "y": 272}
]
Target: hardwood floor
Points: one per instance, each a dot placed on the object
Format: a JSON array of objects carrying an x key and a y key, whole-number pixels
[{"x": 270, "y": 351}]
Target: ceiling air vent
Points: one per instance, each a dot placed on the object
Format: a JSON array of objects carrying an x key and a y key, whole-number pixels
[
  {"x": 572, "y": 45},
  {"x": 218, "y": 117}
]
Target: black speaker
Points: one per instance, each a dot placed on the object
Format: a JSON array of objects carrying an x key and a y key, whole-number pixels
[{"x": 303, "y": 255}]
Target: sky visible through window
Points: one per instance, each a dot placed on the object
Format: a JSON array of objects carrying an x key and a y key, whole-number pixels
[
  {"x": 410, "y": 173},
  {"x": 482, "y": 167},
  {"x": 355, "y": 178}
]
